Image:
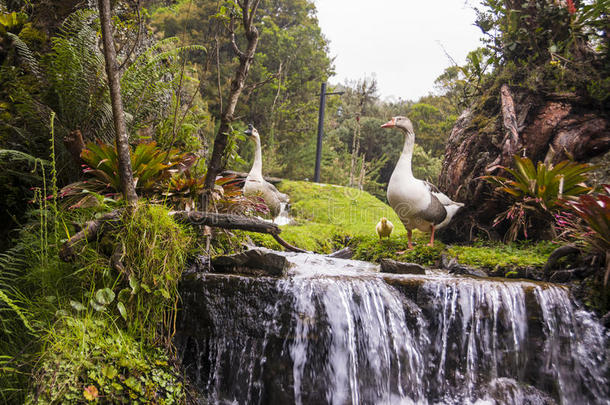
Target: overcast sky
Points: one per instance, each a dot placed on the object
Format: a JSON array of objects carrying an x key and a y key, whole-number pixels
[{"x": 400, "y": 42}]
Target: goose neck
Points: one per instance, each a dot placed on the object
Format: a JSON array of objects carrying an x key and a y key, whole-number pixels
[
  {"x": 257, "y": 166},
  {"x": 404, "y": 162}
]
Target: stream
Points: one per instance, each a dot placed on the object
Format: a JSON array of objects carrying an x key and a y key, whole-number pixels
[{"x": 337, "y": 331}]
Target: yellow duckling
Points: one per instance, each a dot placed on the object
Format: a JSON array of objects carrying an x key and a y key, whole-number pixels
[{"x": 384, "y": 228}]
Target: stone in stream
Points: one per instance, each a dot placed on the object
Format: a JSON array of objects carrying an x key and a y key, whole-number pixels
[
  {"x": 454, "y": 267},
  {"x": 395, "y": 267},
  {"x": 252, "y": 262},
  {"x": 345, "y": 253}
]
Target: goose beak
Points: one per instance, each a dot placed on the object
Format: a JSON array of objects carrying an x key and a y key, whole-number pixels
[
  {"x": 248, "y": 132},
  {"x": 390, "y": 124}
]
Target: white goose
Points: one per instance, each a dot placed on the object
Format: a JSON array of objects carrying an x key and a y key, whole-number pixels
[
  {"x": 255, "y": 183},
  {"x": 417, "y": 203}
]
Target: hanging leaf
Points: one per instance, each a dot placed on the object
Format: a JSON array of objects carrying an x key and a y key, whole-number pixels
[
  {"x": 96, "y": 306},
  {"x": 134, "y": 284},
  {"x": 124, "y": 295},
  {"x": 122, "y": 310}
]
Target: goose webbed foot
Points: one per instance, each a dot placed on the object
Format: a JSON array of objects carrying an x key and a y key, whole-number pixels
[{"x": 410, "y": 244}]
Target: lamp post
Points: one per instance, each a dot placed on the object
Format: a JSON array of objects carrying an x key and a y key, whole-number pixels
[{"x": 323, "y": 94}]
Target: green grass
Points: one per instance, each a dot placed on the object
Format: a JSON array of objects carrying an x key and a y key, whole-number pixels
[{"x": 330, "y": 217}]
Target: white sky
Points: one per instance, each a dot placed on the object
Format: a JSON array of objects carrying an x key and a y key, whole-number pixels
[{"x": 400, "y": 42}]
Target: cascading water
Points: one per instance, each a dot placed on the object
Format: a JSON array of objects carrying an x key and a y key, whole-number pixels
[{"x": 339, "y": 332}]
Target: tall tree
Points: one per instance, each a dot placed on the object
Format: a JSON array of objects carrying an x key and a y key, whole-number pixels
[
  {"x": 122, "y": 139},
  {"x": 248, "y": 10}
]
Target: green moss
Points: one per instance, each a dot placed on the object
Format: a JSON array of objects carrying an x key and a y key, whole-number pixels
[
  {"x": 154, "y": 250},
  {"x": 348, "y": 209},
  {"x": 372, "y": 249},
  {"x": 501, "y": 255}
]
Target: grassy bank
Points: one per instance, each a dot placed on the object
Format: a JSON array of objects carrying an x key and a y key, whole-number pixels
[{"x": 331, "y": 217}]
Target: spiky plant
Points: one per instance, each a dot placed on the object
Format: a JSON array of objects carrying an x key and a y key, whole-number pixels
[
  {"x": 594, "y": 210},
  {"x": 537, "y": 192},
  {"x": 152, "y": 169}
]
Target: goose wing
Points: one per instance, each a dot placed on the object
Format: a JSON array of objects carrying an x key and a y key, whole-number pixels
[
  {"x": 440, "y": 195},
  {"x": 283, "y": 197}
]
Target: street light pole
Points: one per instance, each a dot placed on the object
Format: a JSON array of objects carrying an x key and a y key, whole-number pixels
[
  {"x": 323, "y": 94},
  {"x": 316, "y": 176}
]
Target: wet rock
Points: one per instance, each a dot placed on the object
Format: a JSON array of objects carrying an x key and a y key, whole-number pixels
[
  {"x": 201, "y": 264},
  {"x": 605, "y": 320},
  {"x": 253, "y": 261},
  {"x": 394, "y": 267},
  {"x": 453, "y": 266},
  {"x": 345, "y": 253},
  {"x": 509, "y": 391}
]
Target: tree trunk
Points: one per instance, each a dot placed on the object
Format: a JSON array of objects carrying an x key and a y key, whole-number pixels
[
  {"x": 237, "y": 85},
  {"x": 122, "y": 140}
]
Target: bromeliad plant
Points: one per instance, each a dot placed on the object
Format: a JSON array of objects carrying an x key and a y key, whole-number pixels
[
  {"x": 185, "y": 189},
  {"x": 537, "y": 192},
  {"x": 594, "y": 230},
  {"x": 152, "y": 169}
]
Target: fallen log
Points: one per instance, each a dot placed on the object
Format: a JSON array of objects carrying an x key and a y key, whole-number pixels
[
  {"x": 554, "y": 257},
  {"x": 232, "y": 221},
  {"x": 226, "y": 221},
  {"x": 89, "y": 233}
]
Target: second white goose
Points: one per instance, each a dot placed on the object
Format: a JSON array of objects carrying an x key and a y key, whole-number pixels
[{"x": 255, "y": 183}]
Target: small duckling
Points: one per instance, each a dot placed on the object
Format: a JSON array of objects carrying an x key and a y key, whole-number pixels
[{"x": 384, "y": 228}]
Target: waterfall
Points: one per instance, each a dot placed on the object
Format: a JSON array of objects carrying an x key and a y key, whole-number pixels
[{"x": 339, "y": 332}]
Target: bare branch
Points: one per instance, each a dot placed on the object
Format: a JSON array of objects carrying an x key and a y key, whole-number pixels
[
  {"x": 250, "y": 88},
  {"x": 251, "y": 16}
]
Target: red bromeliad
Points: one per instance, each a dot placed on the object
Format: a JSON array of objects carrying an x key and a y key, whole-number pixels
[{"x": 571, "y": 6}]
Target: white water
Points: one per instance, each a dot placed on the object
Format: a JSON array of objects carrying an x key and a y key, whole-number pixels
[{"x": 339, "y": 332}]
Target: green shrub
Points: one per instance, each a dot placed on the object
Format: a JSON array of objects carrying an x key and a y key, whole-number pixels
[
  {"x": 92, "y": 360},
  {"x": 154, "y": 250}
]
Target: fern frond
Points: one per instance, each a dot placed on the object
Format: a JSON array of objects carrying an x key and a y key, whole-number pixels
[{"x": 25, "y": 55}]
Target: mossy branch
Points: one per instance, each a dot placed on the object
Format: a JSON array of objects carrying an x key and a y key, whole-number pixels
[{"x": 96, "y": 227}]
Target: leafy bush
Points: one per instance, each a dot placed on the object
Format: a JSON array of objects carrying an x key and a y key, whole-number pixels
[{"x": 537, "y": 193}]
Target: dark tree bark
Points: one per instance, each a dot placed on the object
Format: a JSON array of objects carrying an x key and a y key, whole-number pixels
[
  {"x": 246, "y": 57},
  {"x": 122, "y": 140},
  {"x": 75, "y": 144},
  {"x": 89, "y": 233},
  {"x": 544, "y": 127}
]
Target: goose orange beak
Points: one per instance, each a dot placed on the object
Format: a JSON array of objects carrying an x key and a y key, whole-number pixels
[{"x": 390, "y": 124}]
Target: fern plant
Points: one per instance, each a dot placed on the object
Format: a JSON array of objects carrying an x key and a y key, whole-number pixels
[{"x": 537, "y": 192}]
